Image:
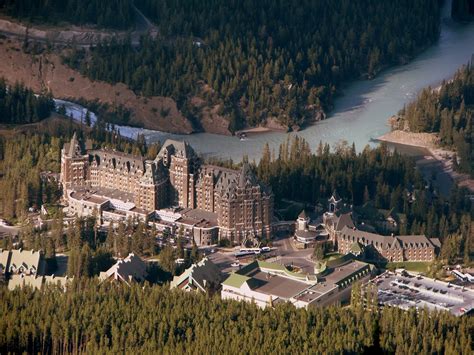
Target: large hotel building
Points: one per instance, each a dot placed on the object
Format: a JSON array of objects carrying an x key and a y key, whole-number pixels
[{"x": 218, "y": 202}]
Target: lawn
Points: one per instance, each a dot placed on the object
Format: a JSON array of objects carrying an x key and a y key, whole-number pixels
[
  {"x": 418, "y": 266},
  {"x": 332, "y": 256}
]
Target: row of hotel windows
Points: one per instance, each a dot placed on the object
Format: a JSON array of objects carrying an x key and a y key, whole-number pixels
[{"x": 348, "y": 240}]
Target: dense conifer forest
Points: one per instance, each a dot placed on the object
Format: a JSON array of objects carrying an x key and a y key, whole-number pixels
[
  {"x": 448, "y": 111},
  {"x": 375, "y": 177},
  {"x": 260, "y": 59},
  {"x": 110, "y": 318},
  {"x": 462, "y": 10},
  {"x": 103, "y": 13},
  {"x": 19, "y": 105}
]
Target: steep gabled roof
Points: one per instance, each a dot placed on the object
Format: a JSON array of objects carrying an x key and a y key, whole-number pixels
[
  {"x": 414, "y": 240},
  {"x": 356, "y": 248},
  {"x": 246, "y": 175},
  {"x": 132, "y": 268},
  {"x": 199, "y": 274},
  {"x": 368, "y": 238},
  {"x": 73, "y": 145},
  {"x": 235, "y": 280},
  {"x": 73, "y": 148},
  {"x": 25, "y": 258},
  {"x": 334, "y": 197},
  {"x": 302, "y": 215},
  {"x": 344, "y": 220},
  {"x": 180, "y": 148}
]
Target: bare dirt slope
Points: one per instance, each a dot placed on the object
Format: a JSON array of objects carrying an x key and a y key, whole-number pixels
[{"x": 45, "y": 71}]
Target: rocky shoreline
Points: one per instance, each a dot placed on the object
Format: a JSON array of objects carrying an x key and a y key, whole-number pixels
[{"x": 429, "y": 141}]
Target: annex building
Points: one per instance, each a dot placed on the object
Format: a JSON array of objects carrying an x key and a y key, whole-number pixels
[
  {"x": 21, "y": 262},
  {"x": 267, "y": 284},
  {"x": 113, "y": 185},
  {"x": 201, "y": 277},
  {"x": 337, "y": 226}
]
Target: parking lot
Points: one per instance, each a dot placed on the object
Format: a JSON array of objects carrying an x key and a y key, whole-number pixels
[{"x": 408, "y": 291}]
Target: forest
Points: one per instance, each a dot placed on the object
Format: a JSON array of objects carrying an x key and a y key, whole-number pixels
[
  {"x": 448, "y": 111},
  {"x": 462, "y": 10},
  {"x": 20, "y": 105},
  {"x": 111, "y": 318},
  {"x": 256, "y": 60},
  {"x": 116, "y": 14},
  {"x": 374, "y": 177}
]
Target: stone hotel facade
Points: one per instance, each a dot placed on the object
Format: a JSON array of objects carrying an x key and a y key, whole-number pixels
[{"x": 129, "y": 185}]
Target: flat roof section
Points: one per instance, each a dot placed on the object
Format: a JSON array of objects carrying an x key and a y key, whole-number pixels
[
  {"x": 199, "y": 214},
  {"x": 113, "y": 194},
  {"x": 88, "y": 196},
  {"x": 277, "y": 285},
  {"x": 316, "y": 291},
  {"x": 341, "y": 272}
]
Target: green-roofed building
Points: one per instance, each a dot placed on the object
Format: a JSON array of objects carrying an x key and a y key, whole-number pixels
[{"x": 267, "y": 284}]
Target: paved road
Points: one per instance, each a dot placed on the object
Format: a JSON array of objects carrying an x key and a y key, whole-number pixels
[
  {"x": 90, "y": 36},
  {"x": 6, "y": 230},
  {"x": 223, "y": 261},
  {"x": 285, "y": 254}
]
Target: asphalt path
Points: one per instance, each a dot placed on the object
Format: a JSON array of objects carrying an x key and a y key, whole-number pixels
[{"x": 8, "y": 230}]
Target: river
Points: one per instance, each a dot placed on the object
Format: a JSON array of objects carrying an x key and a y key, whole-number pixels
[{"x": 361, "y": 114}]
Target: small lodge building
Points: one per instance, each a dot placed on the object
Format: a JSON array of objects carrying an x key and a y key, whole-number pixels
[
  {"x": 128, "y": 270},
  {"x": 201, "y": 277},
  {"x": 19, "y": 261}
]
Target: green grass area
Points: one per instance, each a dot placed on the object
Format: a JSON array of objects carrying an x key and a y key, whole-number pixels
[
  {"x": 53, "y": 210},
  {"x": 419, "y": 266},
  {"x": 332, "y": 256}
]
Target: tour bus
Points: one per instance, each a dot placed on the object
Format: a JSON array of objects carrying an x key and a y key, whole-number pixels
[
  {"x": 247, "y": 252},
  {"x": 251, "y": 250},
  {"x": 463, "y": 277}
]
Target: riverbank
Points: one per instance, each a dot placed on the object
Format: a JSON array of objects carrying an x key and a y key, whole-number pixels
[{"x": 437, "y": 160}]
